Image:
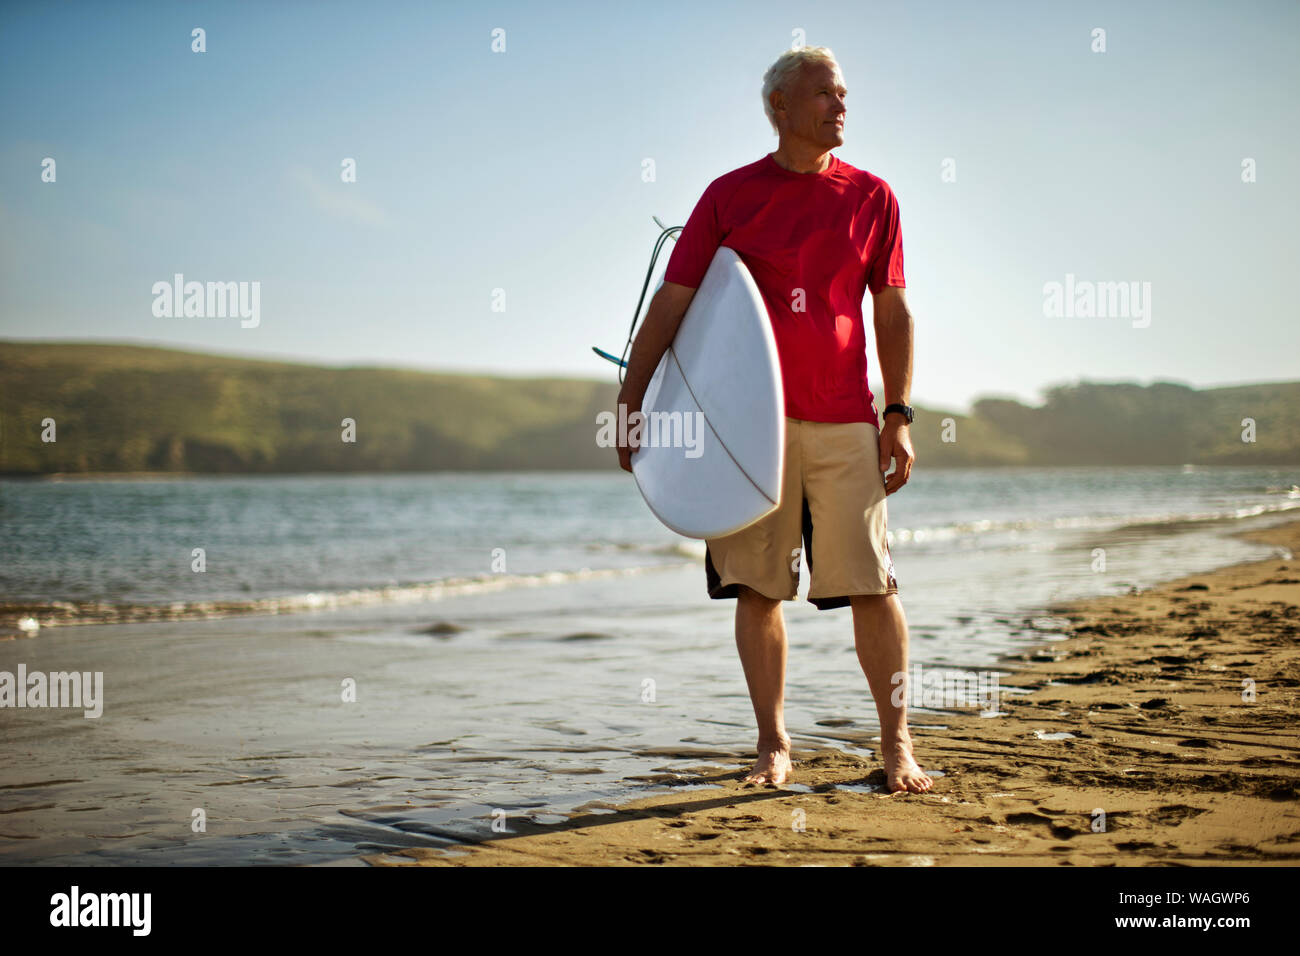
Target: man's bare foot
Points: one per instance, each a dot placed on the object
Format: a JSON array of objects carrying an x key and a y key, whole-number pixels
[
  {"x": 902, "y": 774},
  {"x": 773, "y": 764}
]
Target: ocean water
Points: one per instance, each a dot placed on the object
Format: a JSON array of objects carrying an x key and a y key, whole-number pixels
[
  {"x": 285, "y": 543},
  {"x": 519, "y": 644}
]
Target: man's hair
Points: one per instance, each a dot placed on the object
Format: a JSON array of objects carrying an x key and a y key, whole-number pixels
[{"x": 787, "y": 66}]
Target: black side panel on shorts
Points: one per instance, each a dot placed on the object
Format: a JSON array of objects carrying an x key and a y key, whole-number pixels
[
  {"x": 714, "y": 579},
  {"x": 822, "y": 604}
]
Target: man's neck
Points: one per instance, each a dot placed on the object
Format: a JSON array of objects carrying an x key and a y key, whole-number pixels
[{"x": 801, "y": 160}]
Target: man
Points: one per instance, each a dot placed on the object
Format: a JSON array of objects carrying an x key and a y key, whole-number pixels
[{"x": 816, "y": 233}]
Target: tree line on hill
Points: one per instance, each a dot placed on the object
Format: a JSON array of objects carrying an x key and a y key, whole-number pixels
[{"x": 124, "y": 408}]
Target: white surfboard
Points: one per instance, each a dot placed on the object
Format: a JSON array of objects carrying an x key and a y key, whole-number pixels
[{"x": 723, "y": 371}]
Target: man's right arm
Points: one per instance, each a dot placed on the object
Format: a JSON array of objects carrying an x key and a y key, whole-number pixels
[{"x": 667, "y": 309}]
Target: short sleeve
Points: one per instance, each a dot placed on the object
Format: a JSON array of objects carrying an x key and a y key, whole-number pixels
[
  {"x": 696, "y": 243},
  {"x": 887, "y": 263}
]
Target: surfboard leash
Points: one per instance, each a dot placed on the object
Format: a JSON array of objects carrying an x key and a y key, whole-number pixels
[{"x": 667, "y": 233}]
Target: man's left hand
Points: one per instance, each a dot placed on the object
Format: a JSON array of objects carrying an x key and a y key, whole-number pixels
[{"x": 896, "y": 444}]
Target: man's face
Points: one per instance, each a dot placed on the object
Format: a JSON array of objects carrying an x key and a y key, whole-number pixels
[{"x": 814, "y": 106}]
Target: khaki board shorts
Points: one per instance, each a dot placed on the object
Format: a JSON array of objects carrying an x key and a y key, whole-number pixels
[{"x": 833, "y": 484}]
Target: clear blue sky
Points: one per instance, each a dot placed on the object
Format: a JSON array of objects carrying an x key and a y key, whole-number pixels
[{"x": 522, "y": 170}]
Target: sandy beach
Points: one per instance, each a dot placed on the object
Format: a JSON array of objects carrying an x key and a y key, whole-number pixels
[{"x": 1142, "y": 711}]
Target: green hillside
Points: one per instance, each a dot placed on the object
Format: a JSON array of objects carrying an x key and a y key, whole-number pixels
[
  {"x": 129, "y": 408},
  {"x": 1089, "y": 423},
  {"x": 123, "y": 408}
]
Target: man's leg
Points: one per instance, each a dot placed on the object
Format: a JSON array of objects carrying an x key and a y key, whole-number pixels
[
  {"x": 880, "y": 634},
  {"x": 761, "y": 640}
]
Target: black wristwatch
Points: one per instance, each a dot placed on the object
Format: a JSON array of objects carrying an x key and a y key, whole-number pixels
[{"x": 905, "y": 409}]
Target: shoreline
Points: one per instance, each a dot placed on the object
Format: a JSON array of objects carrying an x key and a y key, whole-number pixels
[{"x": 1165, "y": 759}]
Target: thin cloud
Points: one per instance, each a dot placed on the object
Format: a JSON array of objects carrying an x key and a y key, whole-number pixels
[{"x": 340, "y": 199}]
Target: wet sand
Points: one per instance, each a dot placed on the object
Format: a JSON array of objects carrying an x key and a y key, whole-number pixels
[{"x": 1150, "y": 686}]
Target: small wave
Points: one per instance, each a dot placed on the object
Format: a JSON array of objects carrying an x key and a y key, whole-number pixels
[
  {"x": 1290, "y": 491},
  {"x": 959, "y": 529},
  {"x": 25, "y": 620},
  {"x": 691, "y": 548},
  {"x": 688, "y": 548}
]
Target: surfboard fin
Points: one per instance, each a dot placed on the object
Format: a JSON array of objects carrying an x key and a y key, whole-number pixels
[{"x": 612, "y": 358}]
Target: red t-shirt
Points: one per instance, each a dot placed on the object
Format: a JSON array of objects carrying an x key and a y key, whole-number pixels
[{"x": 833, "y": 235}]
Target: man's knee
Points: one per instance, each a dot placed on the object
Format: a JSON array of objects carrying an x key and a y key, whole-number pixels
[
  {"x": 871, "y": 602},
  {"x": 747, "y": 595}
]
